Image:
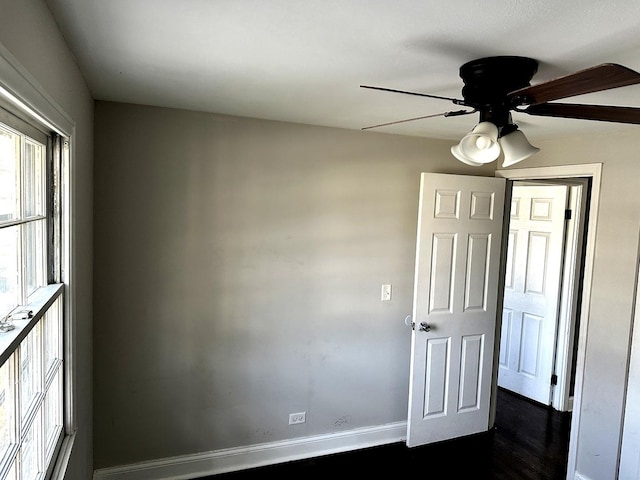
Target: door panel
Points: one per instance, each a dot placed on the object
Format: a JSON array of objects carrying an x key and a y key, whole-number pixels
[
  {"x": 477, "y": 263},
  {"x": 455, "y": 297},
  {"x": 443, "y": 261},
  {"x": 532, "y": 290},
  {"x": 435, "y": 400},
  {"x": 471, "y": 372}
]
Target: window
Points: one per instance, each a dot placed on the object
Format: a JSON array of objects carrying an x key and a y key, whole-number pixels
[{"x": 31, "y": 301}]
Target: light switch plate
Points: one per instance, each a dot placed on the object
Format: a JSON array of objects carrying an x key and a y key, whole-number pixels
[{"x": 386, "y": 292}]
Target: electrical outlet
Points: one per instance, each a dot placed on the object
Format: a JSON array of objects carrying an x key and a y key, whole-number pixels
[{"x": 300, "y": 417}]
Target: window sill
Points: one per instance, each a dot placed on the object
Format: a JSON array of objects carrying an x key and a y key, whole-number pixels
[
  {"x": 39, "y": 303},
  {"x": 61, "y": 462}
]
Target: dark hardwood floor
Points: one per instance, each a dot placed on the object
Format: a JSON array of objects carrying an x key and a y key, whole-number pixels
[{"x": 529, "y": 442}]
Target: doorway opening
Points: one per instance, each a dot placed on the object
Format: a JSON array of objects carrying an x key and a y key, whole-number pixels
[
  {"x": 545, "y": 231},
  {"x": 543, "y": 273},
  {"x": 583, "y": 184}
]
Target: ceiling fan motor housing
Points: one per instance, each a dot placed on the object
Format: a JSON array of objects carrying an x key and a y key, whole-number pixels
[{"x": 489, "y": 80}]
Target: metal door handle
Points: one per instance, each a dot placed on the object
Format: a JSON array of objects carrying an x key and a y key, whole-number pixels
[{"x": 425, "y": 327}]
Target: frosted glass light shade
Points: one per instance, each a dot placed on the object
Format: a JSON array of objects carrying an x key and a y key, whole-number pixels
[
  {"x": 478, "y": 147},
  {"x": 516, "y": 148},
  {"x": 459, "y": 154}
]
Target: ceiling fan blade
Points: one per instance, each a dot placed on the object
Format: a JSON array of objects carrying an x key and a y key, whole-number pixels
[
  {"x": 603, "y": 113},
  {"x": 454, "y": 100},
  {"x": 443, "y": 114},
  {"x": 594, "y": 79}
]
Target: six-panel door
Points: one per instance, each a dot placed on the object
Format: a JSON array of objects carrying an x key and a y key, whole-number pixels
[
  {"x": 455, "y": 295},
  {"x": 535, "y": 254}
]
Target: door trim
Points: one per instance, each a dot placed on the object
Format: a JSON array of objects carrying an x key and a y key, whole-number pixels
[
  {"x": 593, "y": 171},
  {"x": 562, "y": 396},
  {"x": 630, "y": 445}
]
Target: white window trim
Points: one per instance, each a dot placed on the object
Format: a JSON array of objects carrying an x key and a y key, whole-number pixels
[{"x": 21, "y": 89}]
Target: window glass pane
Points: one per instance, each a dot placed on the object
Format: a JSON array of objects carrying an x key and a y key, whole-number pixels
[
  {"x": 12, "y": 473},
  {"x": 7, "y": 425},
  {"x": 34, "y": 255},
  {"x": 52, "y": 335},
  {"x": 30, "y": 451},
  {"x": 9, "y": 288},
  {"x": 9, "y": 154},
  {"x": 33, "y": 167},
  {"x": 53, "y": 411},
  {"x": 30, "y": 380}
]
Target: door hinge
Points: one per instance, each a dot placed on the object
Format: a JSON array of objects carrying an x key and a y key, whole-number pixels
[
  {"x": 567, "y": 214},
  {"x": 554, "y": 379}
]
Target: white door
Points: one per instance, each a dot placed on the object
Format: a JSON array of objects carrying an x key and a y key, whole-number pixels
[
  {"x": 454, "y": 310},
  {"x": 532, "y": 290}
]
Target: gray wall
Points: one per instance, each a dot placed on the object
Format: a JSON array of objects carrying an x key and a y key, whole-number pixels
[
  {"x": 614, "y": 272},
  {"x": 238, "y": 269},
  {"x": 238, "y": 266},
  {"x": 29, "y": 32}
]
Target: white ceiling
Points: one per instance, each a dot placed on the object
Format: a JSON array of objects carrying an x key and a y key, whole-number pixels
[{"x": 304, "y": 60}]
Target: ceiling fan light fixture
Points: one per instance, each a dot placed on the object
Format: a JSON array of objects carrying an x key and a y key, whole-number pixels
[
  {"x": 516, "y": 148},
  {"x": 478, "y": 147}
]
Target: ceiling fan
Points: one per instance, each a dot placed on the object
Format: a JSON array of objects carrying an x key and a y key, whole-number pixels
[{"x": 496, "y": 86}]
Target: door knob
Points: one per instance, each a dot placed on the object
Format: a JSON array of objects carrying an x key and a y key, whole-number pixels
[{"x": 425, "y": 327}]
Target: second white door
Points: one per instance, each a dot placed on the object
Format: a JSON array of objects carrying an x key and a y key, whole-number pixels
[{"x": 532, "y": 290}]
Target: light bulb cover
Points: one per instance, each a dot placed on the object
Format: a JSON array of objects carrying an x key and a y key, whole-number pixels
[
  {"x": 516, "y": 148},
  {"x": 456, "y": 152},
  {"x": 478, "y": 147}
]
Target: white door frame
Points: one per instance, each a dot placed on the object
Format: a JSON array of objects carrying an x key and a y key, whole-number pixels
[
  {"x": 594, "y": 171},
  {"x": 562, "y": 398}
]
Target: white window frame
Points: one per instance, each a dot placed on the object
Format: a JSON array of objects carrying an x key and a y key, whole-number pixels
[{"x": 20, "y": 89}]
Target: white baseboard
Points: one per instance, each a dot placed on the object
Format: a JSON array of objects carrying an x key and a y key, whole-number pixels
[{"x": 220, "y": 461}]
